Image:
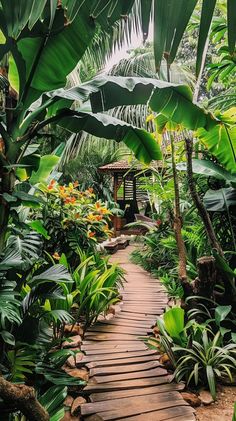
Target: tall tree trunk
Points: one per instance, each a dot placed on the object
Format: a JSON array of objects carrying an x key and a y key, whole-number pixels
[
  {"x": 23, "y": 398},
  {"x": 197, "y": 200},
  {"x": 177, "y": 217}
]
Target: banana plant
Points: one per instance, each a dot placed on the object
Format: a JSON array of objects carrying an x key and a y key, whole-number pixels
[{"x": 39, "y": 46}]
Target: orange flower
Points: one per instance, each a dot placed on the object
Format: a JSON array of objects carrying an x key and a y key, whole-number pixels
[
  {"x": 70, "y": 200},
  {"x": 56, "y": 256},
  {"x": 51, "y": 184},
  {"x": 91, "y": 234},
  {"x": 98, "y": 206},
  {"x": 75, "y": 184}
]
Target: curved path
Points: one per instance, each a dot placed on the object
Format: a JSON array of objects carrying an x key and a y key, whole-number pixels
[{"x": 127, "y": 381}]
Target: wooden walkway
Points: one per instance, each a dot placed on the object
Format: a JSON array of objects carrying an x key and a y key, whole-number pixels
[{"x": 127, "y": 381}]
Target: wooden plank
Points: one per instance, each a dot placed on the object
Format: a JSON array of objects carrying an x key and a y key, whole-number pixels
[
  {"x": 176, "y": 413},
  {"x": 130, "y": 316},
  {"x": 127, "y": 368},
  {"x": 120, "y": 355},
  {"x": 126, "y": 384},
  {"x": 118, "y": 329},
  {"x": 123, "y": 322},
  {"x": 116, "y": 341},
  {"x": 119, "y": 413},
  {"x": 148, "y": 312},
  {"x": 130, "y": 376},
  {"x": 122, "y": 361},
  {"x": 132, "y": 405},
  {"x": 112, "y": 336},
  {"x": 162, "y": 388},
  {"x": 115, "y": 349}
]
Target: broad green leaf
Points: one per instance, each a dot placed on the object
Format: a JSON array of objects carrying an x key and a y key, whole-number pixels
[
  {"x": 223, "y": 265},
  {"x": 209, "y": 169},
  {"x": 36, "y": 11},
  {"x": 231, "y": 16},
  {"x": 174, "y": 321},
  {"x": 26, "y": 197},
  {"x": 7, "y": 337},
  {"x": 57, "y": 273},
  {"x": 221, "y": 312},
  {"x": 145, "y": 16},
  {"x": 111, "y": 91},
  {"x": 21, "y": 174},
  {"x": 13, "y": 74},
  {"x": 220, "y": 200},
  {"x": 175, "y": 103},
  {"x": 53, "y": 399},
  {"x": 46, "y": 165},
  {"x": 208, "y": 7},
  {"x": 39, "y": 228},
  {"x": 170, "y": 21},
  {"x": 211, "y": 380},
  {"x": 139, "y": 141},
  {"x": 221, "y": 142},
  {"x": 182, "y": 17}
]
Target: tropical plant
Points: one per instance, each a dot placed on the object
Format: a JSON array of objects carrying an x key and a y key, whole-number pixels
[
  {"x": 73, "y": 218},
  {"x": 39, "y": 32},
  {"x": 96, "y": 287},
  {"x": 173, "y": 286},
  {"x": 197, "y": 353},
  {"x": 206, "y": 361}
]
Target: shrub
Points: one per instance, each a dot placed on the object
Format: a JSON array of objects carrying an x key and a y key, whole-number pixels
[{"x": 73, "y": 218}]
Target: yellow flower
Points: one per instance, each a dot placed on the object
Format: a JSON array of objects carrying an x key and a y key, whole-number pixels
[{"x": 56, "y": 256}]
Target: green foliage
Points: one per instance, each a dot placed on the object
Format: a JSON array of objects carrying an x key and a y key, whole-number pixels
[
  {"x": 206, "y": 361},
  {"x": 173, "y": 286},
  {"x": 198, "y": 354},
  {"x": 21, "y": 363},
  {"x": 97, "y": 282},
  {"x": 52, "y": 400}
]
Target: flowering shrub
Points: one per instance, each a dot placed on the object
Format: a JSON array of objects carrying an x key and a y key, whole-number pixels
[{"x": 73, "y": 218}]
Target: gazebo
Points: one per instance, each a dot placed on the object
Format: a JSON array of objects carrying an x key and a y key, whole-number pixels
[{"x": 128, "y": 188}]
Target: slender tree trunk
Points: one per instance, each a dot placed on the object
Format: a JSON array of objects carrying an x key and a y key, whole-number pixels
[
  {"x": 197, "y": 200},
  {"x": 177, "y": 217},
  {"x": 23, "y": 398},
  {"x": 6, "y": 186}
]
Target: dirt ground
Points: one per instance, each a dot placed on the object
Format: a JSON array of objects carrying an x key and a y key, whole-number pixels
[{"x": 222, "y": 409}]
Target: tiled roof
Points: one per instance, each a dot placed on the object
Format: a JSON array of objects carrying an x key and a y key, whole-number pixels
[{"x": 122, "y": 166}]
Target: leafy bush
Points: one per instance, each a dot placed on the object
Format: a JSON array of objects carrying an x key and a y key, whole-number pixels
[
  {"x": 73, "y": 218},
  {"x": 206, "y": 361},
  {"x": 173, "y": 286},
  {"x": 96, "y": 287},
  {"x": 197, "y": 354}
]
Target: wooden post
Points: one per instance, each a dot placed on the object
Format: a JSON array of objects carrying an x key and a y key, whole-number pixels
[
  {"x": 115, "y": 199},
  {"x": 207, "y": 277}
]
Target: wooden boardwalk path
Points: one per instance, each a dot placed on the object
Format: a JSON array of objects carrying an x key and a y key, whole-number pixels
[{"x": 127, "y": 381}]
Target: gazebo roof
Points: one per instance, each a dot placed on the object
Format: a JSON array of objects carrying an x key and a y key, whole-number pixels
[{"x": 124, "y": 166}]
